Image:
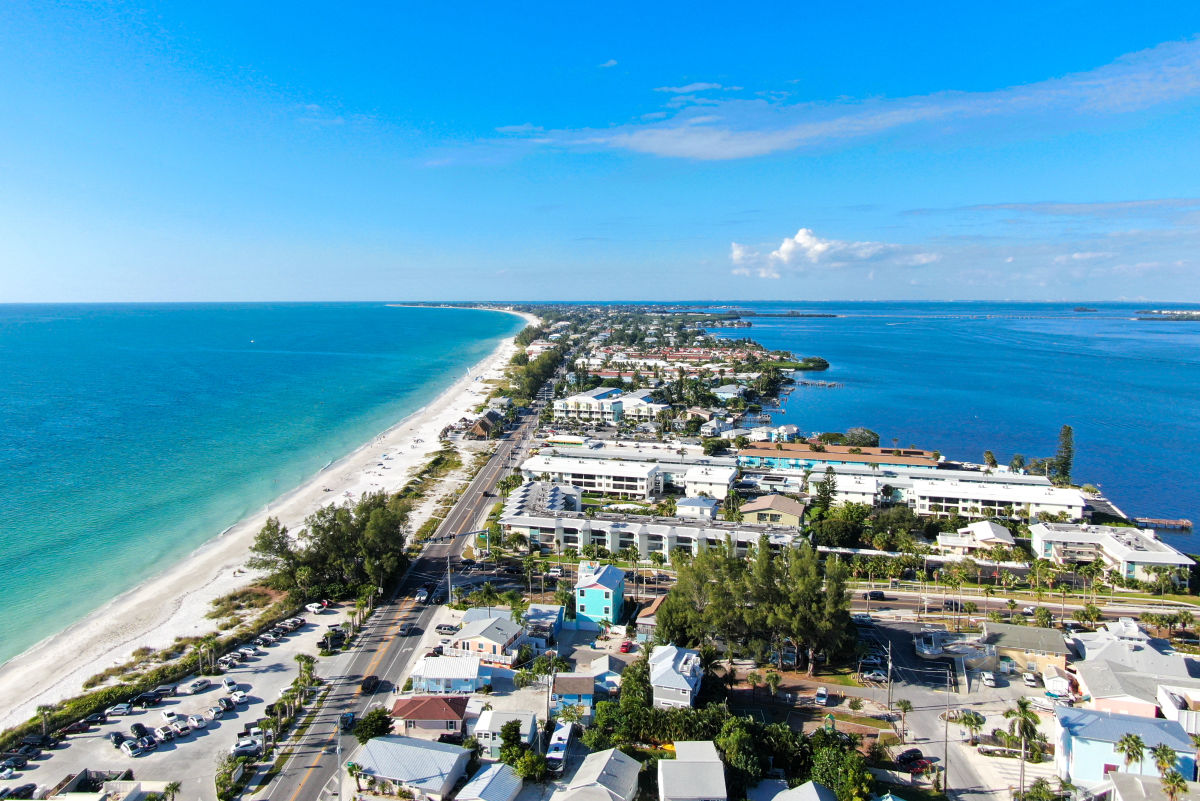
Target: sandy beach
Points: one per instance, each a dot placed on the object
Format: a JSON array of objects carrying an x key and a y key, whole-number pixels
[{"x": 174, "y": 603}]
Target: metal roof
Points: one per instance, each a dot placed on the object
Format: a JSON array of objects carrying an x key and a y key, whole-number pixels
[
  {"x": 496, "y": 782},
  {"x": 416, "y": 763},
  {"x": 611, "y": 772},
  {"x": 1109, "y": 727}
]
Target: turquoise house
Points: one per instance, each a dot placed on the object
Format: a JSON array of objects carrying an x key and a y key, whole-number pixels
[
  {"x": 1086, "y": 740},
  {"x": 599, "y": 596}
]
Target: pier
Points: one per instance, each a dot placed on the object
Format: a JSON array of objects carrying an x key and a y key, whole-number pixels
[{"x": 1164, "y": 524}]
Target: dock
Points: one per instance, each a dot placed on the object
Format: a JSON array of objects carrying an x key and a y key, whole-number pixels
[{"x": 1164, "y": 524}]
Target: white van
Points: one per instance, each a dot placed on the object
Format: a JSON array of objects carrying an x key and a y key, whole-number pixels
[{"x": 822, "y": 697}]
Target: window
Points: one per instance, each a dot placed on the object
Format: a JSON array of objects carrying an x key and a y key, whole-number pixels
[
  {"x": 451, "y": 725},
  {"x": 582, "y": 608}
]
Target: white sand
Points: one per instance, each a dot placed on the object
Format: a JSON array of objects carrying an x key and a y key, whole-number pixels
[{"x": 174, "y": 603}]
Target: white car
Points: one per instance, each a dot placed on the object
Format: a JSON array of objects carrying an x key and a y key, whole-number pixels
[
  {"x": 198, "y": 686},
  {"x": 988, "y": 678},
  {"x": 248, "y": 651},
  {"x": 1030, "y": 679},
  {"x": 197, "y": 721},
  {"x": 230, "y": 684},
  {"x": 7, "y": 773},
  {"x": 238, "y": 697},
  {"x": 170, "y": 716},
  {"x": 315, "y": 608},
  {"x": 267, "y": 636},
  {"x": 822, "y": 697},
  {"x": 181, "y": 728},
  {"x": 876, "y": 676},
  {"x": 1029, "y": 610},
  {"x": 215, "y": 712}
]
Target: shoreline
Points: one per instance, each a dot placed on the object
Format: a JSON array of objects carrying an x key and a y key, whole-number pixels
[{"x": 174, "y": 602}]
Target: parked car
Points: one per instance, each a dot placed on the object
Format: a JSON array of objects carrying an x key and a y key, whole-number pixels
[
  {"x": 16, "y": 762},
  {"x": 911, "y": 755},
  {"x": 446, "y": 628},
  {"x": 871, "y": 661},
  {"x": 246, "y": 748},
  {"x": 988, "y": 678},
  {"x": 225, "y": 704},
  {"x": 118, "y": 710},
  {"x": 181, "y": 729},
  {"x": 315, "y": 608},
  {"x": 132, "y": 748},
  {"x": 230, "y": 684},
  {"x": 862, "y": 619},
  {"x": 215, "y": 712},
  {"x": 919, "y": 766},
  {"x": 248, "y": 651},
  {"x": 268, "y": 637},
  {"x": 148, "y": 743},
  {"x": 166, "y": 690},
  {"x": 22, "y": 792},
  {"x": 625, "y": 647},
  {"x": 138, "y": 730},
  {"x": 96, "y": 719},
  {"x": 238, "y": 697},
  {"x": 370, "y": 684},
  {"x": 197, "y": 721},
  {"x": 452, "y": 737},
  {"x": 822, "y": 697},
  {"x": 199, "y": 686},
  {"x": 169, "y": 715},
  {"x": 7, "y": 773},
  {"x": 164, "y": 734},
  {"x": 1030, "y": 679},
  {"x": 78, "y": 727},
  {"x": 876, "y": 676}
]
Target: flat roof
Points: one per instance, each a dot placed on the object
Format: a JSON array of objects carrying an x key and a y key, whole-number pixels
[
  {"x": 834, "y": 456},
  {"x": 607, "y": 467}
]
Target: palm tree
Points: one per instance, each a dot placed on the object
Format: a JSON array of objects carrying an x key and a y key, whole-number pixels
[
  {"x": 905, "y": 706},
  {"x": 355, "y": 770},
  {"x": 973, "y": 722},
  {"x": 1132, "y": 748},
  {"x": 486, "y": 595},
  {"x": 753, "y": 679},
  {"x": 172, "y": 790},
  {"x": 773, "y": 680},
  {"x": 1173, "y": 784},
  {"x": 1023, "y": 723},
  {"x": 45, "y": 711},
  {"x": 1164, "y": 757}
]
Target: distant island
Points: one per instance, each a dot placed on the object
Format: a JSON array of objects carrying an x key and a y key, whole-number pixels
[
  {"x": 1084, "y": 309},
  {"x": 1191, "y": 315}
]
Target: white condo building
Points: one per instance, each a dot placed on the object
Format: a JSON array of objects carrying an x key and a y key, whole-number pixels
[
  {"x": 1131, "y": 552},
  {"x": 609, "y": 476},
  {"x": 601, "y": 405}
]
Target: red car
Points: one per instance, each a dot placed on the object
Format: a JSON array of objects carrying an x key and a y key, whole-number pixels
[
  {"x": 626, "y": 647},
  {"x": 919, "y": 766}
]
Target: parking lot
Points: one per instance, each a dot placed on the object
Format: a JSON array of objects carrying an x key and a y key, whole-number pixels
[{"x": 190, "y": 759}]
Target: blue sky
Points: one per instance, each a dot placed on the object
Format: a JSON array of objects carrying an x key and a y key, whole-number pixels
[{"x": 259, "y": 151}]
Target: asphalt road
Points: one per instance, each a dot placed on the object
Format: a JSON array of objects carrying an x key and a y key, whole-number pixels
[{"x": 312, "y": 770}]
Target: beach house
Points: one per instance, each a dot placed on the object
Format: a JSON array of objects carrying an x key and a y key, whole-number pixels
[
  {"x": 978, "y": 536},
  {"x": 430, "y": 716},
  {"x": 573, "y": 690},
  {"x": 495, "y": 782},
  {"x": 449, "y": 674},
  {"x": 1085, "y": 743},
  {"x": 599, "y": 596},
  {"x": 494, "y": 640},
  {"x": 604, "y": 776},
  {"x": 775, "y": 510},
  {"x": 699, "y": 508},
  {"x": 675, "y": 676},
  {"x": 427, "y": 770},
  {"x": 487, "y": 730},
  {"x": 695, "y": 774}
]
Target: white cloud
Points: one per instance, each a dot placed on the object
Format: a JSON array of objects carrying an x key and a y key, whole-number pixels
[
  {"x": 688, "y": 88},
  {"x": 755, "y": 127},
  {"x": 1085, "y": 256},
  {"x": 807, "y": 250},
  {"x": 612, "y": 62},
  {"x": 523, "y": 128}
]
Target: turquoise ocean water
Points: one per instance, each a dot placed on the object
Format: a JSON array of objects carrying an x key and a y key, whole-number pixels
[
  {"x": 963, "y": 378},
  {"x": 131, "y": 434}
]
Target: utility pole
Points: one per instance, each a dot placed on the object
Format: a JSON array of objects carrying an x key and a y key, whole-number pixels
[
  {"x": 449, "y": 581},
  {"x": 946, "y": 730},
  {"x": 889, "y": 677}
]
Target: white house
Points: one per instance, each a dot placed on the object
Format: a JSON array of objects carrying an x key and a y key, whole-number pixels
[
  {"x": 425, "y": 768},
  {"x": 702, "y": 508},
  {"x": 675, "y": 676},
  {"x": 709, "y": 480},
  {"x": 487, "y": 729},
  {"x": 695, "y": 774},
  {"x": 604, "y": 776},
  {"x": 495, "y": 782},
  {"x": 978, "y": 536}
]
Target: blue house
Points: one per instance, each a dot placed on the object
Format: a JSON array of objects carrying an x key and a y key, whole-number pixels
[
  {"x": 1086, "y": 740},
  {"x": 573, "y": 689},
  {"x": 599, "y": 596},
  {"x": 449, "y": 674}
]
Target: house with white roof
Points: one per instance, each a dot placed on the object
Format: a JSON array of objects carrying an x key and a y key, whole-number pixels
[
  {"x": 695, "y": 774},
  {"x": 639, "y": 406},
  {"x": 604, "y": 776},
  {"x": 702, "y": 508},
  {"x": 978, "y": 536},
  {"x": 491, "y": 721},
  {"x": 709, "y": 480},
  {"x": 495, "y": 782},
  {"x": 1123, "y": 669},
  {"x": 675, "y": 676},
  {"x": 1133, "y": 553},
  {"x": 427, "y": 769},
  {"x": 449, "y": 674},
  {"x": 728, "y": 392}
]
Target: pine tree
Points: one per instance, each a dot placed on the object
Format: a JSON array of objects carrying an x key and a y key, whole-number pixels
[{"x": 1065, "y": 458}]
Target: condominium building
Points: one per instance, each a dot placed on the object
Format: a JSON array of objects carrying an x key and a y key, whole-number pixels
[
  {"x": 977, "y": 499},
  {"x": 601, "y": 405},
  {"x": 1133, "y": 553},
  {"x": 626, "y": 479}
]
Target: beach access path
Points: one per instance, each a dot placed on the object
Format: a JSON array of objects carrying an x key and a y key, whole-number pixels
[{"x": 174, "y": 603}]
